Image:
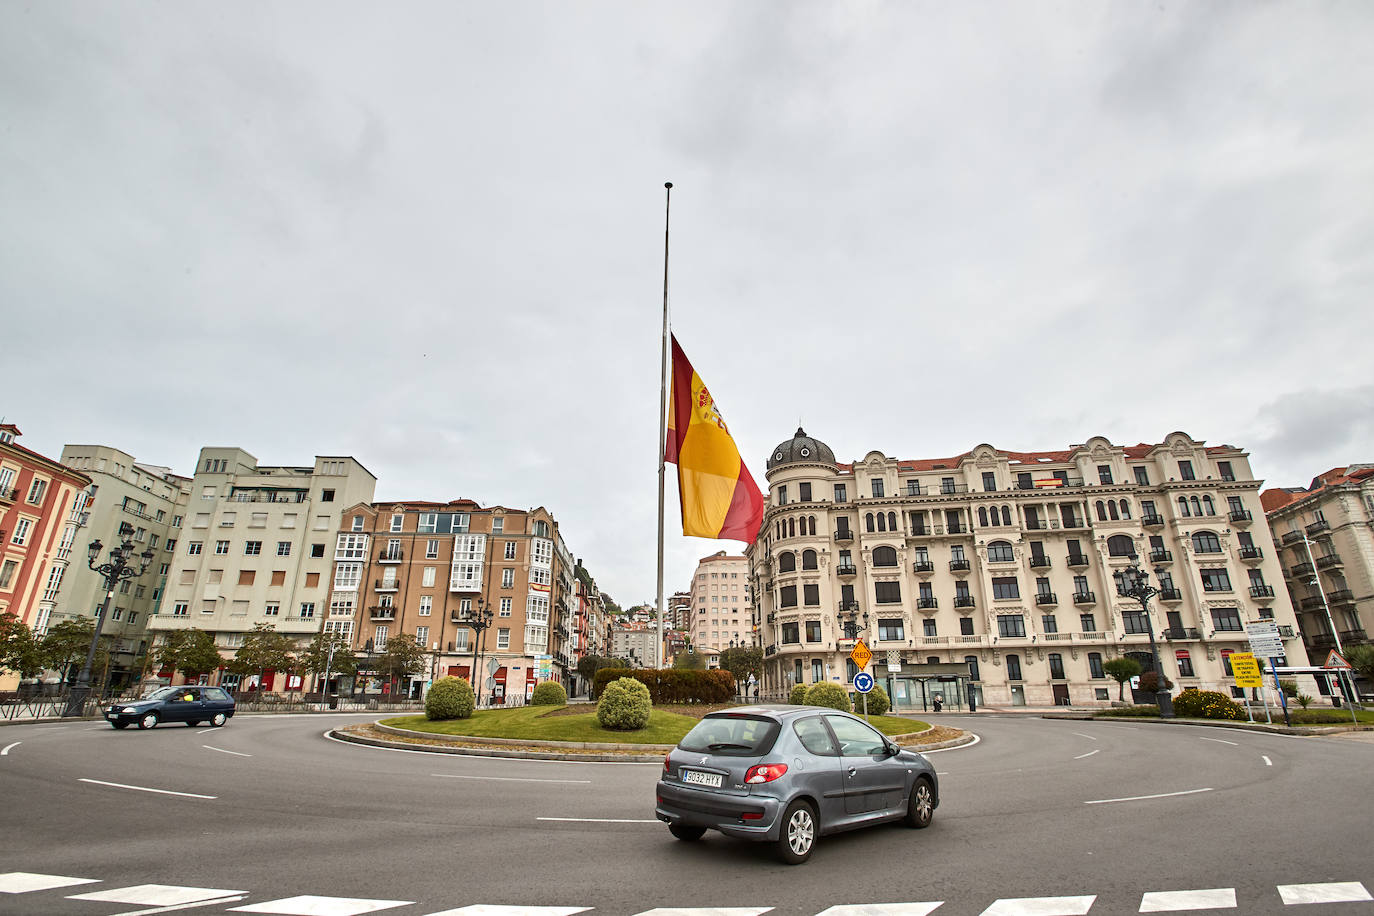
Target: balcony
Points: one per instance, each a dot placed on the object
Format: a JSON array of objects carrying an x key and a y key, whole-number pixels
[
  {"x": 9, "y": 495},
  {"x": 963, "y": 601},
  {"x": 1046, "y": 598},
  {"x": 1340, "y": 596},
  {"x": 1240, "y": 516},
  {"x": 1040, "y": 562},
  {"x": 391, "y": 556},
  {"x": 912, "y": 489},
  {"x": 1330, "y": 561},
  {"x": 844, "y": 536},
  {"x": 1321, "y": 640},
  {"x": 1286, "y": 631},
  {"x": 847, "y": 607},
  {"x": 958, "y": 565},
  {"x": 1152, "y": 520},
  {"x": 923, "y": 567},
  {"x": 1353, "y": 636},
  {"x": 385, "y": 585},
  {"x": 950, "y": 489},
  {"x": 927, "y": 604},
  {"x": 1181, "y": 633},
  {"x": 958, "y": 528},
  {"x": 1077, "y": 560},
  {"x": 382, "y": 613},
  {"x": 1311, "y": 603},
  {"x": 1261, "y": 591},
  {"x": 1087, "y": 597},
  {"x": 1302, "y": 571},
  {"x": 1251, "y": 552},
  {"x": 1317, "y": 527},
  {"x": 1170, "y": 594},
  {"x": 846, "y": 569},
  {"x": 1161, "y": 555}
]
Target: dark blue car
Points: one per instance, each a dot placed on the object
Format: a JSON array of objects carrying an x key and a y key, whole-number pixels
[{"x": 190, "y": 704}]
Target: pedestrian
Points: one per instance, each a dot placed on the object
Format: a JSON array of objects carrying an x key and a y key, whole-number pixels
[{"x": 939, "y": 702}]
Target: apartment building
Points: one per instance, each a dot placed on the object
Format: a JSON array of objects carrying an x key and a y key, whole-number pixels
[
  {"x": 995, "y": 572},
  {"x": 635, "y": 641},
  {"x": 152, "y": 501},
  {"x": 719, "y": 614},
  {"x": 42, "y": 506},
  {"x": 422, "y": 568},
  {"x": 254, "y": 548},
  {"x": 1324, "y": 538}
]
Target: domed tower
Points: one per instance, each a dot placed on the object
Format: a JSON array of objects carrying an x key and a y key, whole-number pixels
[{"x": 800, "y": 450}]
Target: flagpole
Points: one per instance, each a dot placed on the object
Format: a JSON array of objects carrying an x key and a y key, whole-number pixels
[{"x": 663, "y": 411}]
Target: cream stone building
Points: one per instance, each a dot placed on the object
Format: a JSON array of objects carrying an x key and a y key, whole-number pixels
[
  {"x": 152, "y": 500},
  {"x": 257, "y": 546},
  {"x": 992, "y": 574},
  {"x": 719, "y": 615},
  {"x": 1324, "y": 537}
]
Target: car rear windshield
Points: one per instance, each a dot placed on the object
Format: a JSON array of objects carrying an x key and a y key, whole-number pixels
[{"x": 732, "y": 736}]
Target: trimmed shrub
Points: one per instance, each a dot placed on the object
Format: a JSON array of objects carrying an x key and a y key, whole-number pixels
[
  {"x": 877, "y": 701},
  {"x": 1149, "y": 682},
  {"x": 449, "y": 698},
  {"x": 798, "y": 695},
  {"x": 674, "y": 685},
  {"x": 1319, "y": 717},
  {"x": 549, "y": 693},
  {"x": 1142, "y": 711},
  {"x": 1206, "y": 704},
  {"x": 624, "y": 705},
  {"x": 831, "y": 695}
]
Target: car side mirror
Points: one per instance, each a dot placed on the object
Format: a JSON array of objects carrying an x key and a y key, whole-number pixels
[{"x": 892, "y": 749}]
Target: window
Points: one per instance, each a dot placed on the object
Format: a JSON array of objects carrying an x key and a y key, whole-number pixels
[
  {"x": 1049, "y": 624},
  {"x": 965, "y": 626},
  {"x": 341, "y": 607},
  {"x": 326, "y": 496},
  {"x": 1104, "y": 476},
  {"x": 1135, "y": 622},
  {"x": 1057, "y": 664},
  {"x": 1226, "y": 618},
  {"x": 787, "y": 596},
  {"x": 841, "y": 494},
  {"x": 432, "y": 549},
  {"x": 307, "y": 610},
  {"x": 504, "y": 606},
  {"x": 884, "y": 556},
  {"x": 928, "y": 627},
  {"x": 1224, "y": 469},
  {"x": 1215, "y": 580},
  {"x": 21, "y": 532},
  {"x": 1013, "y": 667},
  {"x": 347, "y": 576},
  {"x": 1185, "y": 470},
  {"x": 787, "y": 562},
  {"x": 782, "y": 495},
  {"x": 1120, "y": 545},
  {"x": 252, "y": 548},
  {"x": 1142, "y": 475},
  {"x": 1011, "y": 625},
  {"x": 272, "y": 609},
  {"x": 36, "y": 491},
  {"x": 1185, "y": 663},
  {"x": 809, "y": 558},
  {"x": 507, "y": 578},
  {"x": 379, "y": 638},
  {"x": 972, "y": 662},
  {"x": 426, "y": 605},
  {"x": 1005, "y": 588},
  {"x": 422, "y": 636},
  {"x": 989, "y": 482},
  {"x": 247, "y": 576},
  {"x": 170, "y": 545},
  {"x": 1000, "y": 552},
  {"x": 357, "y": 523},
  {"x": 887, "y": 592},
  {"x": 283, "y": 548},
  {"x": 510, "y": 550},
  {"x": 1206, "y": 542},
  {"x": 312, "y": 580},
  {"x": 791, "y": 634},
  {"x": 891, "y": 628},
  {"x": 877, "y": 488},
  {"x": 813, "y": 631},
  {"x": 804, "y": 492},
  {"x": 397, "y": 522},
  {"x": 221, "y": 547},
  {"x": 181, "y": 609},
  {"x": 811, "y": 595},
  {"x": 427, "y": 578},
  {"x": 1088, "y": 623},
  {"x": 1095, "y": 660}
]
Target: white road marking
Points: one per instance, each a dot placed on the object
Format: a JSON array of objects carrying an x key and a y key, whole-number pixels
[
  {"x": 183, "y": 906},
  {"x": 1120, "y": 728},
  {"x": 512, "y": 778},
  {"x": 486, "y": 909},
  {"x": 50, "y": 728},
  {"x": 882, "y": 909},
  {"x": 206, "y": 731},
  {"x": 120, "y": 785},
  {"x": 1089, "y": 737},
  {"x": 1267, "y": 761},
  {"x": 157, "y": 894},
  {"x": 1219, "y": 741},
  {"x": 1107, "y": 801},
  {"x": 1041, "y": 906},
  {"x": 5, "y": 752},
  {"x": 960, "y": 747},
  {"x": 599, "y": 820},
  {"x": 706, "y": 911},
  {"x": 1089, "y": 754},
  {"x": 223, "y": 751},
  {"x": 1220, "y": 898},
  {"x": 1334, "y": 892},
  {"x": 22, "y": 882},
  {"x": 311, "y": 905}
]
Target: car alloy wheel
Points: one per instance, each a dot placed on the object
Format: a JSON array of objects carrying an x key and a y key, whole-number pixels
[
  {"x": 921, "y": 809},
  {"x": 218, "y": 720},
  {"x": 148, "y": 721},
  {"x": 798, "y": 835}
]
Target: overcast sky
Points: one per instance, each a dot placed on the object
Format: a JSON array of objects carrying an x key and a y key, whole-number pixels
[{"x": 430, "y": 235}]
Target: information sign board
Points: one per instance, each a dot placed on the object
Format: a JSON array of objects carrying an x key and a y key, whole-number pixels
[
  {"x": 861, "y": 655},
  {"x": 1246, "y": 669},
  {"x": 1264, "y": 639}
]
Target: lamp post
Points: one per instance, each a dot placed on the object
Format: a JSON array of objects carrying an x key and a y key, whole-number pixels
[
  {"x": 1135, "y": 583},
  {"x": 850, "y": 625},
  {"x": 478, "y": 620},
  {"x": 115, "y": 571}
]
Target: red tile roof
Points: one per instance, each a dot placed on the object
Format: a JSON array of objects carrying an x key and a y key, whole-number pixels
[{"x": 1279, "y": 497}]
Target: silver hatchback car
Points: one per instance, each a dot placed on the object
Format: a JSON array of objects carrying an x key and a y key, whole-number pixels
[{"x": 787, "y": 774}]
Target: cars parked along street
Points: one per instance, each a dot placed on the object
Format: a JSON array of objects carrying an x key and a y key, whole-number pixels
[
  {"x": 191, "y": 704},
  {"x": 788, "y": 774}
]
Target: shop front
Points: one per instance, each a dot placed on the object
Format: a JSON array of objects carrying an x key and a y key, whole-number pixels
[{"x": 930, "y": 687}]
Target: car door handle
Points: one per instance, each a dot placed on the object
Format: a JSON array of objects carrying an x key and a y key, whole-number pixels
[{"x": 852, "y": 771}]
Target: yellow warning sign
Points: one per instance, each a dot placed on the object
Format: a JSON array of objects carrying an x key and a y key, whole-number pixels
[
  {"x": 1245, "y": 667},
  {"x": 861, "y": 655}
]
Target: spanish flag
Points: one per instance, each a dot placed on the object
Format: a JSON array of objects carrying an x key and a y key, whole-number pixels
[{"x": 719, "y": 498}]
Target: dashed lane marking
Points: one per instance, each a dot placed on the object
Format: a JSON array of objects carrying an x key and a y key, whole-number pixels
[
  {"x": 1333, "y": 892},
  {"x": 157, "y": 894},
  {"x": 1089, "y": 754},
  {"x": 1089, "y": 737},
  {"x": 223, "y": 751},
  {"x": 1219, "y": 741},
  {"x": 1041, "y": 906},
  {"x": 23, "y": 882},
  {"x": 120, "y": 785},
  {"x": 1267, "y": 761},
  {"x": 707, "y": 911},
  {"x": 311, "y": 905},
  {"x": 883, "y": 909},
  {"x": 152, "y": 911},
  {"x": 1218, "y": 898},
  {"x": 1108, "y": 801},
  {"x": 483, "y": 909},
  {"x": 574, "y": 782},
  {"x": 600, "y": 820}
]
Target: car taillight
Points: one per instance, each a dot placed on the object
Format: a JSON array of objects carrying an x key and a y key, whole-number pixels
[{"x": 764, "y": 772}]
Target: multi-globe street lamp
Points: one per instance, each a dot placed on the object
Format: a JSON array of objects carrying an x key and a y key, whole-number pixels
[
  {"x": 115, "y": 570},
  {"x": 479, "y": 619},
  {"x": 1134, "y": 582}
]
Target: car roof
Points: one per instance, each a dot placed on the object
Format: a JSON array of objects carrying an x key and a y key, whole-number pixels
[{"x": 772, "y": 710}]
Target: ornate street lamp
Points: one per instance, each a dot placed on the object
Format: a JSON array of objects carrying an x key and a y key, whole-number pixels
[
  {"x": 849, "y": 623},
  {"x": 1134, "y": 582},
  {"x": 115, "y": 571},
  {"x": 478, "y": 619}
]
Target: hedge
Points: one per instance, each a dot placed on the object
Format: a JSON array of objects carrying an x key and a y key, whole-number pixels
[{"x": 674, "y": 685}]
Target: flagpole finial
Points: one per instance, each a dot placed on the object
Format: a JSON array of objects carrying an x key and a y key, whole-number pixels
[{"x": 667, "y": 184}]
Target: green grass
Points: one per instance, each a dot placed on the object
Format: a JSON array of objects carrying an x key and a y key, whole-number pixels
[
  {"x": 1316, "y": 715},
  {"x": 530, "y": 723}
]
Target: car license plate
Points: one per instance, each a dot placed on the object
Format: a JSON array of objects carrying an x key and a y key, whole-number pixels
[{"x": 701, "y": 779}]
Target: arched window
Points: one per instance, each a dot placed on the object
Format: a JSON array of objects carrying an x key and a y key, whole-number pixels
[
  {"x": 808, "y": 559},
  {"x": 1125, "y": 509},
  {"x": 884, "y": 556},
  {"x": 1197, "y": 506},
  {"x": 892, "y": 521},
  {"x": 811, "y": 525},
  {"x": 868, "y": 522},
  {"x": 1183, "y": 506},
  {"x": 882, "y": 522},
  {"x": 787, "y": 561},
  {"x": 1120, "y": 545},
  {"x": 1000, "y": 552},
  {"x": 1111, "y": 508},
  {"x": 1206, "y": 542},
  {"x": 1101, "y": 511},
  {"x": 791, "y": 527},
  {"x": 1006, "y": 516},
  {"x": 1207, "y": 505},
  {"x": 983, "y": 516}
]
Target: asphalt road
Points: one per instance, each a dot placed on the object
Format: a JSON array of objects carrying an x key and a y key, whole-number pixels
[{"x": 1032, "y": 810}]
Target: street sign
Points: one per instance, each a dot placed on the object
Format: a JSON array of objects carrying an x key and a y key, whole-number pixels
[
  {"x": 1246, "y": 670},
  {"x": 493, "y": 666},
  {"x": 1264, "y": 639},
  {"x": 894, "y": 661},
  {"x": 861, "y": 655},
  {"x": 1336, "y": 660},
  {"x": 863, "y": 682}
]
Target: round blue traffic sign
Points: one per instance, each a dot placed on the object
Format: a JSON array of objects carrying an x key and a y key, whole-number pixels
[{"x": 863, "y": 682}]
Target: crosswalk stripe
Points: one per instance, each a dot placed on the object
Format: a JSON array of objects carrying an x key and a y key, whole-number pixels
[
  {"x": 311, "y": 905},
  {"x": 1332, "y": 892},
  {"x": 1217, "y": 898},
  {"x": 23, "y": 882},
  {"x": 1041, "y": 906},
  {"x": 483, "y": 909},
  {"x": 882, "y": 909},
  {"x": 706, "y": 911},
  {"x": 156, "y": 894}
]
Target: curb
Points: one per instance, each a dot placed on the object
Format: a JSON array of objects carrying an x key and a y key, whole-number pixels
[{"x": 1309, "y": 731}]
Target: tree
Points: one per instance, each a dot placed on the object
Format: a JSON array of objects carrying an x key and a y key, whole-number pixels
[
  {"x": 316, "y": 657},
  {"x": 192, "y": 652},
  {"x": 689, "y": 661},
  {"x": 1361, "y": 659},
  {"x": 65, "y": 646},
  {"x": 20, "y": 650},
  {"x": 742, "y": 661},
  {"x": 262, "y": 649},
  {"x": 1121, "y": 670},
  {"x": 402, "y": 656}
]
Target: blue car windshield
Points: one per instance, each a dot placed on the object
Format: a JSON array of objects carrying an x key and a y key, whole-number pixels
[{"x": 731, "y": 736}]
